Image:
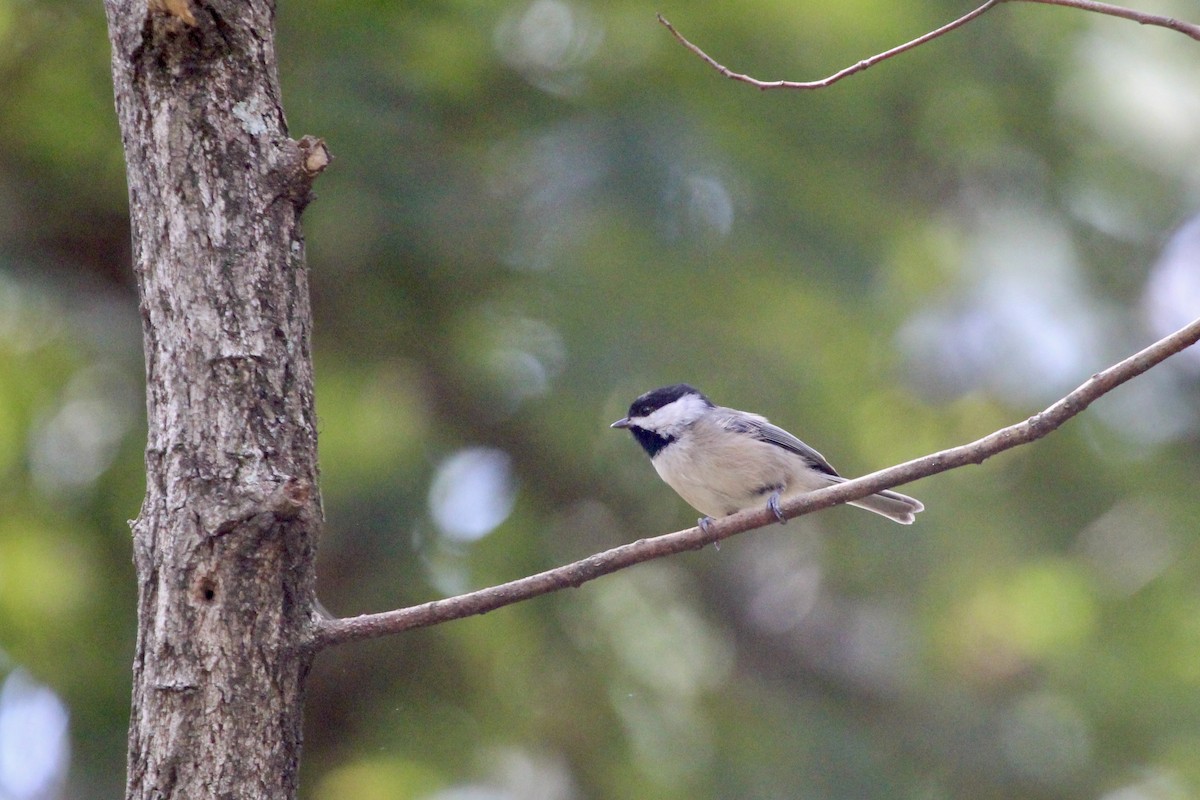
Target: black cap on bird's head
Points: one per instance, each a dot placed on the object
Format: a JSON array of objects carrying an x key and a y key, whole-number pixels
[
  {"x": 653, "y": 400},
  {"x": 654, "y": 428}
]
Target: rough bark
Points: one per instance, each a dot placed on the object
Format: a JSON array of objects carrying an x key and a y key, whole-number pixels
[{"x": 225, "y": 540}]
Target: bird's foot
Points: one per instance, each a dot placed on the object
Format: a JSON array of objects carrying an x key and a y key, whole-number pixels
[
  {"x": 705, "y": 523},
  {"x": 773, "y": 504}
]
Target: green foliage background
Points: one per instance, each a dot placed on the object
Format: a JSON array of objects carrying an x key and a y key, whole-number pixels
[{"x": 539, "y": 209}]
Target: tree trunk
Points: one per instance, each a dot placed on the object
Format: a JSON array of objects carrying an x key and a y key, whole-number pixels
[{"x": 225, "y": 541}]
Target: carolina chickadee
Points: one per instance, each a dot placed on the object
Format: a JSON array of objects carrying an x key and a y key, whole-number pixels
[{"x": 721, "y": 460}]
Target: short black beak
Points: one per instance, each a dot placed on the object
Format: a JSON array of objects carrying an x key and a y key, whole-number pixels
[{"x": 623, "y": 422}]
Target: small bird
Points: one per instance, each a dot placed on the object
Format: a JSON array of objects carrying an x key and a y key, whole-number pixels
[{"x": 721, "y": 460}]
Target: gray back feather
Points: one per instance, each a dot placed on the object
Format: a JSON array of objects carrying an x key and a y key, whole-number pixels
[{"x": 764, "y": 431}]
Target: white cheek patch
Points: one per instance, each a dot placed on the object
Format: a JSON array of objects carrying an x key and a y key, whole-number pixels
[{"x": 674, "y": 417}]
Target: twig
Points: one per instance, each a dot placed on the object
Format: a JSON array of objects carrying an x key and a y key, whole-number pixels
[
  {"x": 837, "y": 76},
  {"x": 336, "y": 631},
  {"x": 1186, "y": 28}
]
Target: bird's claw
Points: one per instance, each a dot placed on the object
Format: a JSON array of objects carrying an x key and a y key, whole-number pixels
[
  {"x": 704, "y": 524},
  {"x": 773, "y": 504}
]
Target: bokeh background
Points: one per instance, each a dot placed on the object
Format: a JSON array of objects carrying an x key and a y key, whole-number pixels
[{"x": 540, "y": 209}]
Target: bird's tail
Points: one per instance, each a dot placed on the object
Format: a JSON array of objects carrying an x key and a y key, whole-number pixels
[{"x": 893, "y": 505}]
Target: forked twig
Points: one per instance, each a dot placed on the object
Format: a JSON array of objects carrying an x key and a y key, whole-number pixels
[
  {"x": 1186, "y": 28},
  {"x": 327, "y": 632}
]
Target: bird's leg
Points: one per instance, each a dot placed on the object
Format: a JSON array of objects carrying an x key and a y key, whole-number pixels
[
  {"x": 773, "y": 504},
  {"x": 705, "y": 523}
]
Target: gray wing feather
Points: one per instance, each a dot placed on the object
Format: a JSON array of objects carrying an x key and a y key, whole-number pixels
[{"x": 759, "y": 428}]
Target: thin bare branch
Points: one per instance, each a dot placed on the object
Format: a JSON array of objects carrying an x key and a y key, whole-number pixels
[
  {"x": 1186, "y": 28},
  {"x": 837, "y": 76},
  {"x": 336, "y": 631}
]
